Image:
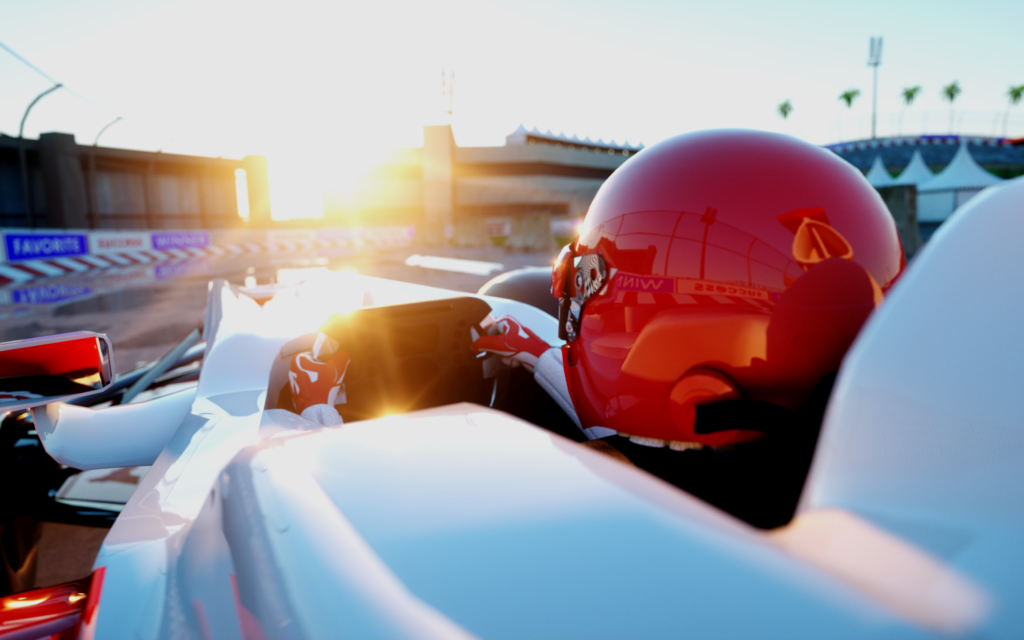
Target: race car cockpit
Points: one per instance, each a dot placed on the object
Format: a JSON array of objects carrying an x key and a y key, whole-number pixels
[
  {"x": 419, "y": 355},
  {"x": 415, "y": 356}
]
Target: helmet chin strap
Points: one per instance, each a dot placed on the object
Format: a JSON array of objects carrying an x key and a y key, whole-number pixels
[{"x": 564, "y": 305}]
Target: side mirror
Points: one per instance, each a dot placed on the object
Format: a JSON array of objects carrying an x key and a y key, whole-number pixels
[{"x": 52, "y": 369}]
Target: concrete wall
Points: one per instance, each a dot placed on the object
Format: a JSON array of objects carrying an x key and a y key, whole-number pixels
[
  {"x": 258, "y": 186},
  {"x": 67, "y": 204},
  {"x": 902, "y": 204},
  {"x": 438, "y": 185}
]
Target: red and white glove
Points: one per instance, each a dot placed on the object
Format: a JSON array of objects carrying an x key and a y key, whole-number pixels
[
  {"x": 515, "y": 343},
  {"x": 317, "y": 383}
]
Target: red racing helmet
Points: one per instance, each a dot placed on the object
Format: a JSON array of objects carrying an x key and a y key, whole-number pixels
[{"x": 718, "y": 266}]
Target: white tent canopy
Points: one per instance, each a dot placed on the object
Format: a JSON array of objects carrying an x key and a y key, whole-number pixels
[
  {"x": 877, "y": 175},
  {"x": 960, "y": 181},
  {"x": 916, "y": 173},
  {"x": 962, "y": 173}
]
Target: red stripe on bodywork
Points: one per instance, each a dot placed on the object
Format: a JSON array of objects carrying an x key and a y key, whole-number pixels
[
  {"x": 87, "y": 625},
  {"x": 50, "y": 612},
  {"x": 249, "y": 624}
]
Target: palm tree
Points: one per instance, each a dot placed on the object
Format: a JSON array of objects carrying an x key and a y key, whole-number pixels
[
  {"x": 1013, "y": 94},
  {"x": 848, "y": 97},
  {"x": 950, "y": 93},
  {"x": 909, "y": 95},
  {"x": 785, "y": 109}
]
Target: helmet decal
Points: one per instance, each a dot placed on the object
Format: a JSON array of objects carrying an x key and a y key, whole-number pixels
[{"x": 817, "y": 241}]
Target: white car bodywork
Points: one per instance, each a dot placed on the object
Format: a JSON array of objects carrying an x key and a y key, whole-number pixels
[{"x": 463, "y": 521}]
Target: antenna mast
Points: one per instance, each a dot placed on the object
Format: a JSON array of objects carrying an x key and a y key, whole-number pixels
[{"x": 447, "y": 92}]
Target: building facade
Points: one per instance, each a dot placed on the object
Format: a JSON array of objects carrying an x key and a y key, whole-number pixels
[
  {"x": 73, "y": 186},
  {"x": 536, "y": 188},
  {"x": 516, "y": 194}
]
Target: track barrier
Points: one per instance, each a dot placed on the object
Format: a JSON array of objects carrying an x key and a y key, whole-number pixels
[{"x": 27, "y": 255}]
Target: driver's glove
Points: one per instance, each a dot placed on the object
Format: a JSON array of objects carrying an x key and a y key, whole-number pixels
[
  {"x": 316, "y": 386},
  {"x": 515, "y": 343}
]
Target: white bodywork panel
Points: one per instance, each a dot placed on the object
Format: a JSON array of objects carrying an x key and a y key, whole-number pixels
[
  {"x": 924, "y": 434},
  {"x": 464, "y": 520},
  {"x": 122, "y": 436}
]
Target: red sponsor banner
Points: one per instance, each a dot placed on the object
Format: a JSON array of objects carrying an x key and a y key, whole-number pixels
[
  {"x": 114, "y": 241},
  {"x": 649, "y": 284},
  {"x": 709, "y": 288}
]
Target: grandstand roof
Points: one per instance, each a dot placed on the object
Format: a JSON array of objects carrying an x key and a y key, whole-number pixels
[
  {"x": 522, "y": 135},
  {"x": 994, "y": 154}
]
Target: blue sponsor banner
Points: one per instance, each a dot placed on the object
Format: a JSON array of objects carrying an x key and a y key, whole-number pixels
[
  {"x": 34, "y": 246},
  {"x": 180, "y": 240},
  {"x": 178, "y": 269},
  {"x": 48, "y": 293}
]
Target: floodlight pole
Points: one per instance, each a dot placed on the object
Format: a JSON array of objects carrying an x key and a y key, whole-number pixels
[
  {"x": 22, "y": 156},
  {"x": 109, "y": 124},
  {"x": 875, "y": 59}
]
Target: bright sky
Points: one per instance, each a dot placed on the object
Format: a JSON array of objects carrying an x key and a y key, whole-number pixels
[{"x": 322, "y": 88}]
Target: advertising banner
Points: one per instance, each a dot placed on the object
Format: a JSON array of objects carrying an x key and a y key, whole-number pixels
[
  {"x": 116, "y": 241},
  {"x": 48, "y": 293},
  {"x": 293, "y": 235},
  {"x": 164, "y": 240},
  {"x": 389, "y": 236},
  {"x": 221, "y": 237},
  {"x": 118, "y": 279},
  {"x": 345, "y": 236},
  {"x": 42, "y": 246},
  {"x": 201, "y": 266}
]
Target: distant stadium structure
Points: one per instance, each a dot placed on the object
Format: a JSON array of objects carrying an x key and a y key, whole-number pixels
[
  {"x": 1000, "y": 156},
  {"x": 925, "y": 179}
]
